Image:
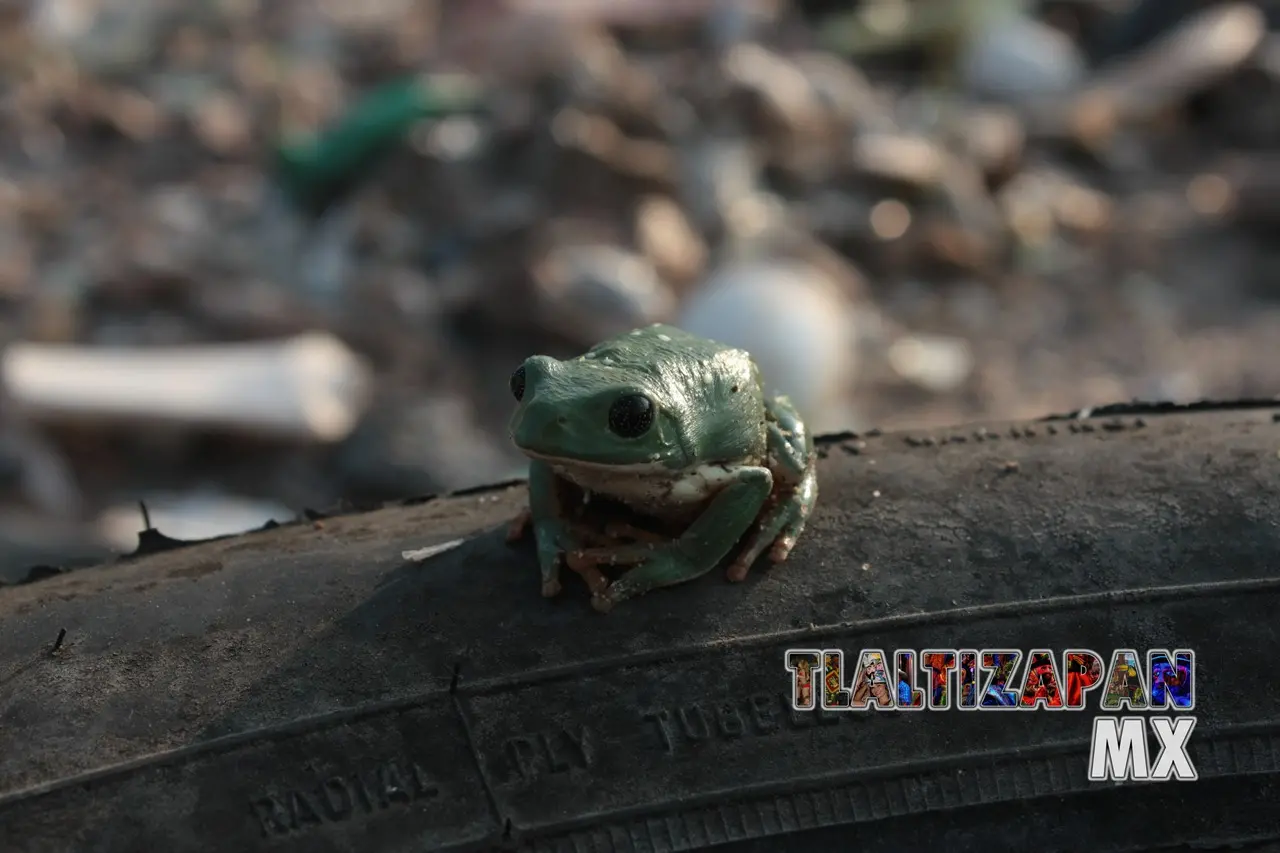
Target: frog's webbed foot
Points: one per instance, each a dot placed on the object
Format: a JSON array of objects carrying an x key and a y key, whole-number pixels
[
  {"x": 587, "y": 561},
  {"x": 614, "y": 555},
  {"x": 619, "y": 543}
]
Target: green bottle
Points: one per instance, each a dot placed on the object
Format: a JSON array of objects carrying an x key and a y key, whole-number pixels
[{"x": 316, "y": 169}]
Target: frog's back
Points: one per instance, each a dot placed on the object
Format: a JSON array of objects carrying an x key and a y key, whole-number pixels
[
  {"x": 658, "y": 345},
  {"x": 674, "y": 355}
]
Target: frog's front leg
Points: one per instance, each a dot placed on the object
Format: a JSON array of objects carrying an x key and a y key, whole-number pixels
[
  {"x": 698, "y": 550},
  {"x": 793, "y": 461},
  {"x": 551, "y": 530}
]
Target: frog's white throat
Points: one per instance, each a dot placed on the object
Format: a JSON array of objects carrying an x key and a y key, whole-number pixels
[{"x": 648, "y": 486}]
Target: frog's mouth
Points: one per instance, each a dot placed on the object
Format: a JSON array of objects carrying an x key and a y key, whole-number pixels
[{"x": 655, "y": 466}]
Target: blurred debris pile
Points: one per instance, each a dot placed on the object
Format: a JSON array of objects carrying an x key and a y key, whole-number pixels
[{"x": 912, "y": 211}]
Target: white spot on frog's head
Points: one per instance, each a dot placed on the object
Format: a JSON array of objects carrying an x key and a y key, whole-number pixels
[
  {"x": 664, "y": 337},
  {"x": 636, "y": 332}
]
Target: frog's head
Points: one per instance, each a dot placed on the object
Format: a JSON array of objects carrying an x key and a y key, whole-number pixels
[{"x": 585, "y": 411}]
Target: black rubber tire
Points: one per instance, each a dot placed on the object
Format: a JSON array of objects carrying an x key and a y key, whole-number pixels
[{"x": 307, "y": 689}]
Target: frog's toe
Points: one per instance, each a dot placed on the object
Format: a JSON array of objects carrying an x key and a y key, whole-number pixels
[
  {"x": 595, "y": 579},
  {"x": 785, "y": 542},
  {"x": 738, "y": 571},
  {"x": 582, "y": 559},
  {"x": 782, "y": 548},
  {"x": 551, "y": 577},
  {"x": 773, "y": 530},
  {"x": 797, "y": 517},
  {"x": 549, "y": 565},
  {"x": 602, "y": 601}
]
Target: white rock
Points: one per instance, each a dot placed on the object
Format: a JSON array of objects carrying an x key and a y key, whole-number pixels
[
  {"x": 934, "y": 362},
  {"x": 794, "y": 322},
  {"x": 311, "y": 387},
  {"x": 103, "y": 36},
  {"x": 1017, "y": 58}
]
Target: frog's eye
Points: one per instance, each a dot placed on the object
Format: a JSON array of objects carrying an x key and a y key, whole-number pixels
[
  {"x": 517, "y": 383},
  {"x": 631, "y": 415}
]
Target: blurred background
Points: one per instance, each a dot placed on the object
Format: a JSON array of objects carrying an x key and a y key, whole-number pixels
[{"x": 259, "y": 257}]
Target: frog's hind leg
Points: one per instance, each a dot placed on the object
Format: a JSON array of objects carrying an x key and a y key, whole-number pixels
[
  {"x": 761, "y": 538},
  {"x": 796, "y": 490},
  {"x": 591, "y": 574},
  {"x": 803, "y": 500},
  {"x": 700, "y": 548},
  {"x": 780, "y": 527},
  {"x": 619, "y": 543}
]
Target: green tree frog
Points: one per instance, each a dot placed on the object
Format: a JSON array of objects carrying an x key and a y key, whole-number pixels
[{"x": 674, "y": 428}]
